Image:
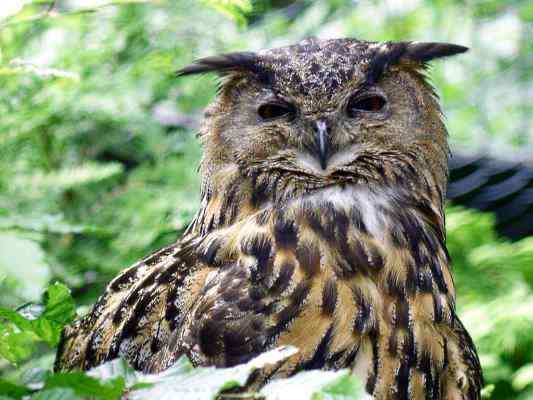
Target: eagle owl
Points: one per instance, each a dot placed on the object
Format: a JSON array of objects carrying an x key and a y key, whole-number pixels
[{"x": 321, "y": 226}]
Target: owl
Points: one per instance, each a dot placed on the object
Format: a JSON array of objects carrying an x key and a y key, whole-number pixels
[{"x": 321, "y": 226}]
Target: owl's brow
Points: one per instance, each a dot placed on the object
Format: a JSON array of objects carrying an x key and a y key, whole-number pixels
[{"x": 383, "y": 58}]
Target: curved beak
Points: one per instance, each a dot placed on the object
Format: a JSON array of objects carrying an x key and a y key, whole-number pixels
[{"x": 321, "y": 129}]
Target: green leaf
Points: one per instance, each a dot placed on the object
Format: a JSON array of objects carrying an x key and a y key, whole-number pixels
[
  {"x": 59, "y": 304},
  {"x": 34, "y": 322},
  {"x": 57, "y": 394},
  {"x": 87, "y": 386},
  {"x": 70, "y": 385},
  {"x": 45, "y": 321},
  {"x": 16, "y": 345},
  {"x": 315, "y": 385},
  {"x": 233, "y": 9},
  {"x": 345, "y": 387},
  {"x": 13, "y": 390}
]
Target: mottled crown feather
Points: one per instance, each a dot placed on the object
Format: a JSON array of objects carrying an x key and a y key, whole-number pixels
[{"x": 378, "y": 56}]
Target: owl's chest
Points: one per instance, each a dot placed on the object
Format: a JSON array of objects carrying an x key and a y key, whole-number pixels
[
  {"x": 340, "y": 274},
  {"x": 336, "y": 233}
]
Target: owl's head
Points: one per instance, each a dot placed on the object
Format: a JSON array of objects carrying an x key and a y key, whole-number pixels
[{"x": 327, "y": 112}]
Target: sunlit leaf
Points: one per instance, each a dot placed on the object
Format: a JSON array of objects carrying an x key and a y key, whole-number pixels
[
  {"x": 185, "y": 382},
  {"x": 12, "y": 7},
  {"x": 523, "y": 377},
  {"x": 315, "y": 385},
  {"x": 69, "y": 177},
  {"x": 234, "y": 9},
  {"x": 486, "y": 392},
  {"x": 18, "y": 66},
  {"x": 44, "y": 224}
]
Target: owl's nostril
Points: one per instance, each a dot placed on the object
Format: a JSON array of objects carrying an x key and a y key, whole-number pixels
[{"x": 322, "y": 141}]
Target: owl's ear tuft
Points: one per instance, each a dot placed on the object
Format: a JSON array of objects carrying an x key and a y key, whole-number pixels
[
  {"x": 424, "y": 52},
  {"x": 222, "y": 64},
  {"x": 393, "y": 53}
]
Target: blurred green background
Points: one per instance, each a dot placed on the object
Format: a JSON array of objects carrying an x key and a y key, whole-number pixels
[{"x": 98, "y": 157}]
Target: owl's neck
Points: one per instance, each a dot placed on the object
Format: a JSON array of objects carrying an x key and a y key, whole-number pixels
[{"x": 228, "y": 197}]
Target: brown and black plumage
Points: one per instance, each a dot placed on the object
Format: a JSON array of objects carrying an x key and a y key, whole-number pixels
[{"x": 321, "y": 226}]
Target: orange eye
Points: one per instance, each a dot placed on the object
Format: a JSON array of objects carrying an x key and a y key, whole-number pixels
[
  {"x": 274, "y": 110},
  {"x": 372, "y": 103}
]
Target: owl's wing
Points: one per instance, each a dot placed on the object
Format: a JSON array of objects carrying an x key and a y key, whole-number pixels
[
  {"x": 220, "y": 299},
  {"x": 227, "y": 324},
  {"x": 134, "y": 316},
  {"x": 463, "y": 378},
  {"x": 196, "y": 297}
]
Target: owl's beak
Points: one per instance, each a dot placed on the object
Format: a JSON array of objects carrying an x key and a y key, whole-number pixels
[{"x": 322, "y": 141}]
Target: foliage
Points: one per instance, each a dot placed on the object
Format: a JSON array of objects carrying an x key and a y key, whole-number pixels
[
  {"x": 34, "y": 322},
  {"x": 116, "y": 379},
  {"x": 495, "y": 286},
  {"x": 98, "y": 160}
]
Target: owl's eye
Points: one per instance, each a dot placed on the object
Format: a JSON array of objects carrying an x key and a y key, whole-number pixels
[
  {"x": 275, "y": 110},
  {"x": 369, "y": 103}
]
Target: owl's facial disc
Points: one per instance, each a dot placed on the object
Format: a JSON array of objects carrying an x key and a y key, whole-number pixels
[{"x": 326, "y": 112}]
